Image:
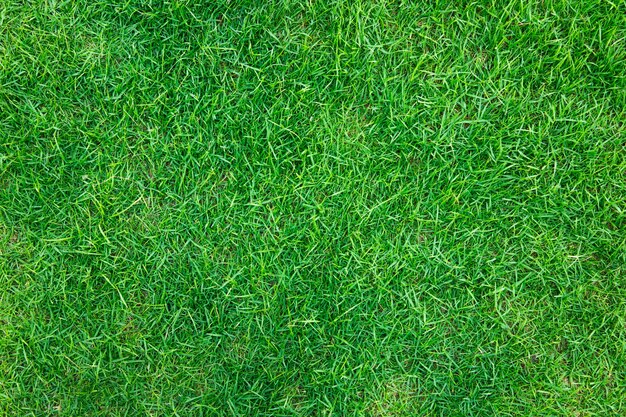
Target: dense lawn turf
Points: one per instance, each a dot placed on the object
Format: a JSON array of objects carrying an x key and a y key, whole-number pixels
[{"x": 322, "y": 208}]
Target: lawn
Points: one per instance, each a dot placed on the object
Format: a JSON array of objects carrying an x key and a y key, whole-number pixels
[{"x": 312, "y": 208}]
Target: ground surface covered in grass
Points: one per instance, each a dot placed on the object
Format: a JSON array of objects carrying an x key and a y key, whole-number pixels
[{"x": 313, "y": 208}]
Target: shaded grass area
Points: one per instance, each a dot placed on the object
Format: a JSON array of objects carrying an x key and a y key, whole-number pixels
[{"x": 319, "y": 208}]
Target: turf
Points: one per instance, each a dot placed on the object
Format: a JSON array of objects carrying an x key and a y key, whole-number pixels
[{"x": 312, "y": 208}]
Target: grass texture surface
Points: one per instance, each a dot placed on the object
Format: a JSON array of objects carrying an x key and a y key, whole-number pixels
[{"x": 313, "y": 208}]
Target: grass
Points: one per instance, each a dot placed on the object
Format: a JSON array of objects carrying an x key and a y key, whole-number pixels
[{"x": 316, "y": 208}]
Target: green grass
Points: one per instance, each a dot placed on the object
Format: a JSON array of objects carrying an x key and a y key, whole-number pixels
[{"x": 322, "y": 208}]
